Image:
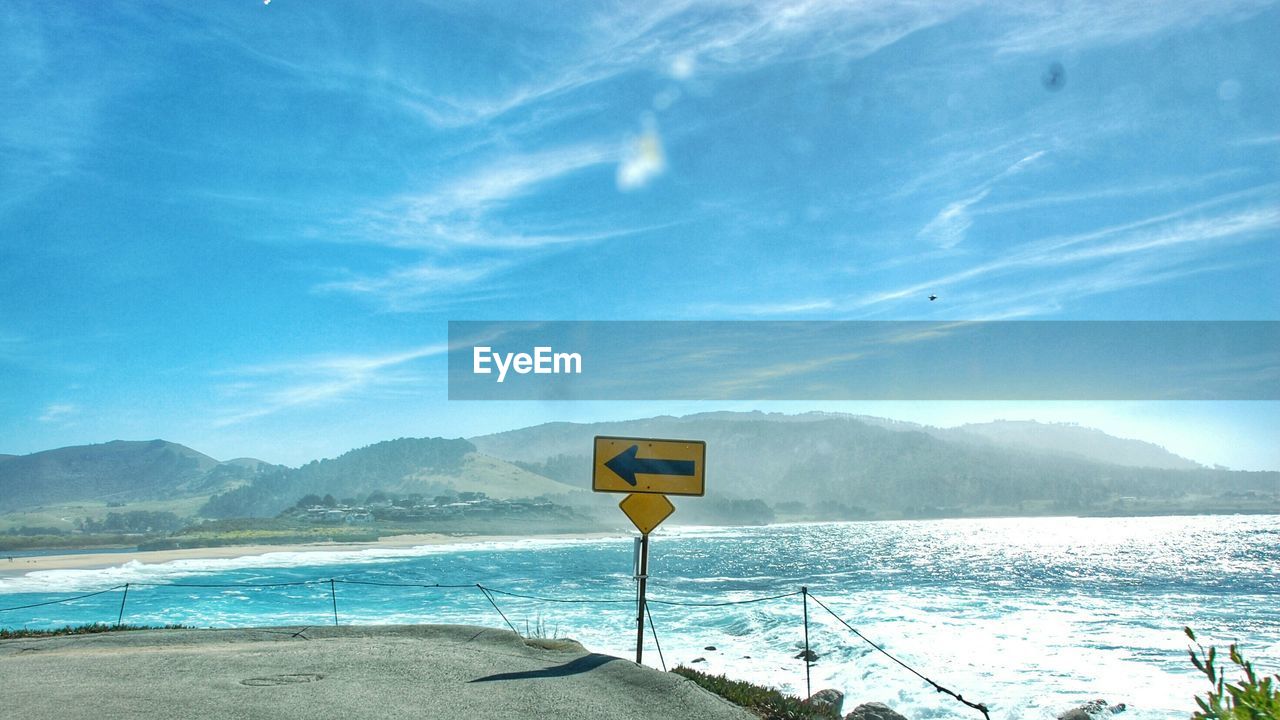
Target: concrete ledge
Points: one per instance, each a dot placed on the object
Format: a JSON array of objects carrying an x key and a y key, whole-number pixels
[{"x": 410, "y": 671}]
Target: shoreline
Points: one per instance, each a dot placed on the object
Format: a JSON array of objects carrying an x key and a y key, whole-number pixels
[{"x": 19, "y": 566}]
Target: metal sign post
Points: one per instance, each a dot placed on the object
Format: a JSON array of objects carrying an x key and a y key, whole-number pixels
[{"x": 642, "y": 576}]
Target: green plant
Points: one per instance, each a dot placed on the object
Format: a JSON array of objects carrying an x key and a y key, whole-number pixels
[
  {"x": 1248, "y": 699},
  {"x": 768, "y": 703}
]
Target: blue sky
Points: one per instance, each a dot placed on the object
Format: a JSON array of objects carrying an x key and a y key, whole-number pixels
[{"x": 244, "y": 226}]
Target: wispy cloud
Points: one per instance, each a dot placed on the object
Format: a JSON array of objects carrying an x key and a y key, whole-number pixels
[
  {"x": 54, "y": 105},
  {"x": 461, "y": 233},
  {"x": 421, "y": 285},
  {"x": 273, "y": 388},
  {"x": 794, "y": 307},
  {"x": 948, "y": 228},
  {"x": 59, "y": 412},
  {"x": 1042, "y": 27},
  {"x": 1117, "y": 191},
  {"x": 1258, "y": 140},
  {"x": 1165, "y": 242},
  {"x": 686, "y": 40},
  {"x": 681, "y": 39},
  {"x": 458, "y": 211},
  {"x": 1017, "y": 298}
]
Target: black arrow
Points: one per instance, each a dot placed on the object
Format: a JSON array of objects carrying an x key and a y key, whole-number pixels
[{"x": 626, "y": 465}]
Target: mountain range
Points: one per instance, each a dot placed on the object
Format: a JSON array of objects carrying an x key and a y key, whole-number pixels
[{"x": 812, "y": 464}]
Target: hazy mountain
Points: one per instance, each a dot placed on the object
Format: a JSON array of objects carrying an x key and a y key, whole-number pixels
[
  {"x": 815, "y": 464},
  {"x": 1071, "y": 440},
  {"x": 1067, "y": 439},
  {"x": 822, "y": 459},
  {"x": 428, "y": 466},
  {"x": 117, "y": 471}
]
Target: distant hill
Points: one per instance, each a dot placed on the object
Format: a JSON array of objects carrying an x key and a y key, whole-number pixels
[
  {"x": 1072, "y": 441},
  {"x": 118, "y": 471},
  {"x": 1067, "y": 439},
  {"x": 427, "y": 466},
  {"x": 828, "y": 460}
]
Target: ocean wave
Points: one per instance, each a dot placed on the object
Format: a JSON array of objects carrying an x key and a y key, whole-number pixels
[{"x": 137, "y": 572}]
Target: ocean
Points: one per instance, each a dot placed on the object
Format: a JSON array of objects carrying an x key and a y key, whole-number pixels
[{"x": 1031, "y": 616}]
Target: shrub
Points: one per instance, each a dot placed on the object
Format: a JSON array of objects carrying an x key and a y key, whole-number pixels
[
  {"x": 768, "y": 703},
  {"x": 1247, "y": 699}
]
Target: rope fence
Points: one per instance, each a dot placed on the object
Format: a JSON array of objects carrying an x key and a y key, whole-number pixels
[{"x": 491, "y": 593}]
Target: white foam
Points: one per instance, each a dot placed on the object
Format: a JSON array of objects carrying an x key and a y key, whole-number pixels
[{"x": 134, "y": 571}]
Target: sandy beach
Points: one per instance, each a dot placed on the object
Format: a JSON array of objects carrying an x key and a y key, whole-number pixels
[{"x": 91, "y": 561}]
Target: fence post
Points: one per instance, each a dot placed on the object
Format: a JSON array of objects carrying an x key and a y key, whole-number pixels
[
  {"x": 808, "y": 687},
  {"x": 333, "y": 594},
  {"x": 120, "y": 617}
]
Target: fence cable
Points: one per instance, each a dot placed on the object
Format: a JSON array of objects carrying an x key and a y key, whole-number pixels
[
  {"x": 980, "y": 707},
  {"x": 489, "y": 597},
  {"x": 653, "y": 629},
  {"x": 61, "y": 600}
]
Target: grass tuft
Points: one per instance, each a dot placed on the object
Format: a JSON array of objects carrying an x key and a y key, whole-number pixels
[{"x": 89, "y": 629}]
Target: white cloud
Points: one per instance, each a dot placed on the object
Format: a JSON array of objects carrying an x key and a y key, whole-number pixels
[
  {"x": 1154, "y": 249},
  {"x": 948, "y": 228},
  {"x": 59, "y": 412},
  {"x": 457, "y": 212},
  {"x": 318, "y": 380},
  {"x": 1047, "y": 26},
  {"x": 767, "y": 309},
  {"x": 418, "y": 286}
]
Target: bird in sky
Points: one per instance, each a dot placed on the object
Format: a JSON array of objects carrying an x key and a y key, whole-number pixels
[{"x": 932, "y": 298}]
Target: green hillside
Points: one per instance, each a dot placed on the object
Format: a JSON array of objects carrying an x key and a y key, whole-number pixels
[
  {"x": 426, "y": 466},
  {"x": 115, "y": 472}
]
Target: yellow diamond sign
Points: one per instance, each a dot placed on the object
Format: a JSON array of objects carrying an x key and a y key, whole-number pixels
[{"x": 647, "y": 511}]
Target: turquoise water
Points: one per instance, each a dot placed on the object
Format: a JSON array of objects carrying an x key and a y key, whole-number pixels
[{"x": 1031, "y": 616}]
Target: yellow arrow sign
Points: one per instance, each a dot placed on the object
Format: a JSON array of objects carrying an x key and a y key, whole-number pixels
[
  {"x": 649, "y": 465},
  {"x": 646, "y": 510}
]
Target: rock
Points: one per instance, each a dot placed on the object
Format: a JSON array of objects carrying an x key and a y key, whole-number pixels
[
  {"x": 712, "y": 648},
  {"x": 827, "y": 699},
  {"x": 697, "y": 660},
  {"x": 1092, "y": 710},
  {"x": 873, "y": 711},
  {"x": 809, "y": 655}
]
